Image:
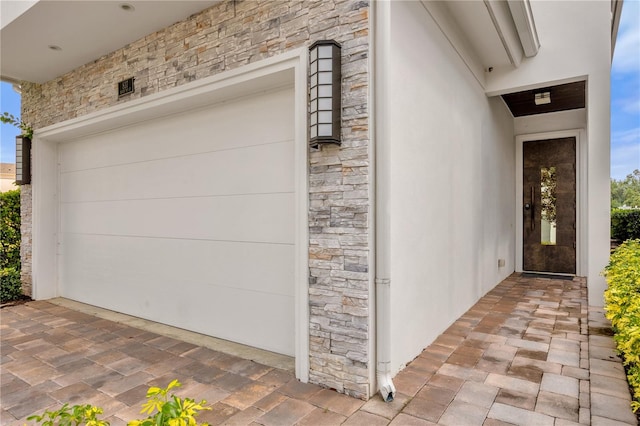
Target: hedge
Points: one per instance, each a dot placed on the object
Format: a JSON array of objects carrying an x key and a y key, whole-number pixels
[
  {"x": 10, "y": 229},
  {"x": 10, "y": 286},
  {"x": 625, "y": 224},
  {"x": 622, "y": 306}
]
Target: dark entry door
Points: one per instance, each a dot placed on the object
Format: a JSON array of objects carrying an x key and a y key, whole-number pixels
[{"x": 549, "y": 205}]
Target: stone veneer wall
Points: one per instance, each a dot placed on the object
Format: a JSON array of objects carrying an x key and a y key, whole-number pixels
[
  {"x": 227, "y": 36},
  {"x": 25, "y": 239}
]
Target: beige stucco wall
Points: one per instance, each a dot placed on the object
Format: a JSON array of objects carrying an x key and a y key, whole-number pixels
[
  {"x": 7, "y": 177},
  {"x": 452, "y": 160},
  {"x": 7, "y": 183},
  {"x": 225, "y": 37}
]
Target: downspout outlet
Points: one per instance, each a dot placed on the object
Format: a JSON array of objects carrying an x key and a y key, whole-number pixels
[
  {"x": 383, "y": 365},
  {"x": 387, "y": 389}
]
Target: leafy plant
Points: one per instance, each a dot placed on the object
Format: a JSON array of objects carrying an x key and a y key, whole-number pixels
[
  {"x": 622, "y": 306},
  {"x": 10, "y": 229},
  {"x": 71, "y": 416},
  {"x": 171, "y": 410},
  {"x": 625, "y": 224},
  {"x": 10, "y": 285},
  {"x": 548, "y": 194},
  {"x": 25, "y": 128},
  {"x": 626, "y": 192}
]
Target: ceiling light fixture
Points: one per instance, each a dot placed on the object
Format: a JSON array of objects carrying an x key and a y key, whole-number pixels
[
  {"x": 543, "y": 98},
  {"x": 127, "y": 7}
]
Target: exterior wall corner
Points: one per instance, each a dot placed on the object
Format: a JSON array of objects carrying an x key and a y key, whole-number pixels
[{"x": 219, "y": 39}]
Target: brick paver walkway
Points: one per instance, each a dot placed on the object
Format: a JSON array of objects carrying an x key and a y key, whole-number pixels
[{"x": 530, "y": 352}]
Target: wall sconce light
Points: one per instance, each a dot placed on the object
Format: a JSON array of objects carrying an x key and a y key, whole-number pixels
[
  {"x": 23, "y": 160},
  {"x": 543, "y": 98},
  {"x": 325, "y": 93}
]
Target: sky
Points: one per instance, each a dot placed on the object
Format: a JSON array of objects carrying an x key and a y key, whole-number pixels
[
  {"x": 625, "y": 99},
  {"x": 9, "y": 102},
  {"x": 625, "y": 94}
]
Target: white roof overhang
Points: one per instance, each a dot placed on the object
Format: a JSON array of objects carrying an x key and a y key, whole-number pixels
[
  {"x": 83, "y": 31},
  {"x": 489, "y": 34},
  {"x": 616, "y": 12}
]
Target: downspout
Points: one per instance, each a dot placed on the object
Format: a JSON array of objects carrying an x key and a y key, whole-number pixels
[{"x": 382, "y": 184}]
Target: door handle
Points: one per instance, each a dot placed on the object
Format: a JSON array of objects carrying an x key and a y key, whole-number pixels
[{"x": 532, "y": 208}]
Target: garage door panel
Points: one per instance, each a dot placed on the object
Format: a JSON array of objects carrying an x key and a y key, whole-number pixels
[
  {"x": 266, "y": 268},
  {"x": 187, "y": 220},
  {"x": 262, "y": 169},
  {"x": 260, "y": 319},
  {"x": 237, "y": 124},
  {"x": 239, "y": 315},
  {"x": 234, "y": 218}
]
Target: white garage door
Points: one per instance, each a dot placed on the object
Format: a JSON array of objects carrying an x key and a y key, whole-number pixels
[{"x": 187, "y": 220}]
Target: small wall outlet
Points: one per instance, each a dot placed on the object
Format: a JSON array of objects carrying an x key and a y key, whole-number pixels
[{"x": 501, "y": 263}]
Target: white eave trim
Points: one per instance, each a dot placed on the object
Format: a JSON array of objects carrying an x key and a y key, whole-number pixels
[
  {"x": 526, "y": 26},
  {"x": 505, "y": 27},
  {"x": 17, "y": 85},
  {"x": 616, "y": 11}
]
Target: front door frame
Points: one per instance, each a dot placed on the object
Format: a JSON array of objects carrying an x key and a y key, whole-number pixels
[{"x": 581, "y": 193}]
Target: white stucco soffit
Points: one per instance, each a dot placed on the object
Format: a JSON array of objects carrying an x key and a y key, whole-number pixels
[
  {"x": 41, "y": 40},
  {"x": 499, "y": 34}
]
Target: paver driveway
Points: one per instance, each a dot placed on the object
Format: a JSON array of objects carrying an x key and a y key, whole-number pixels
[{"x": 529, "y": 352}]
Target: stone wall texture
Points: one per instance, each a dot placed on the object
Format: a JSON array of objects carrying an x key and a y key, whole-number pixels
[
  {"x": 227, "y": 36},
  {"x": 25, "y": 240}
]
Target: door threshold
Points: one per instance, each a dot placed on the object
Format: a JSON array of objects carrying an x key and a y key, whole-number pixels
[{"x": 547, "y": 275}]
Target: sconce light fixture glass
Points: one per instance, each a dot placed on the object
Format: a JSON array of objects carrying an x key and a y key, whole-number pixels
[
  {"x": 325, "y": 93},
  {"x": 23, "y": 160}
]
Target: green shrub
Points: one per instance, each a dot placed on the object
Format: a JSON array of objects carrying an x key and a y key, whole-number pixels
[
  {"x": 622, "y": 306},
  {"x": 71, "y": 416},
  {"x": 169, "y": 410},
  {"x": 625, "y": 224},
  {"x": 162, "y": 410},
  {"x": 10, "y": 229},
  {"x": 10, "y": 285}
]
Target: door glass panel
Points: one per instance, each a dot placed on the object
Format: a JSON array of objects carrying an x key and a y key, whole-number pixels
[{"x": 548, "y": 183}]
